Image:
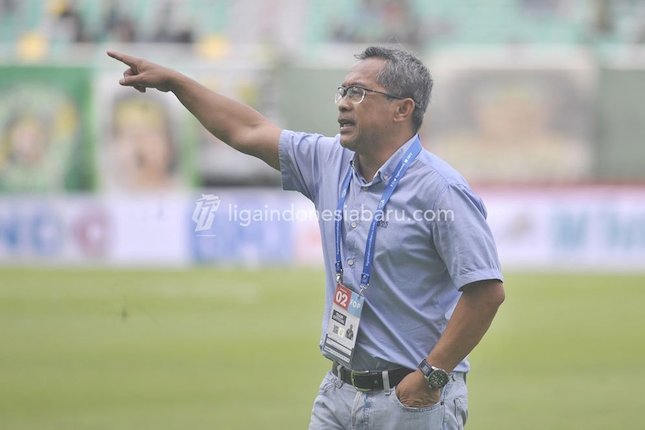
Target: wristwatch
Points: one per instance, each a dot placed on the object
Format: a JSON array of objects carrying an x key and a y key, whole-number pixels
[{"x": 436, "y": 377}]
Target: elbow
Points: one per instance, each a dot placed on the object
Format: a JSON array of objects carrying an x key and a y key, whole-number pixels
[
  {"x": 494, "y": 294},
  {"x": 498, "y": 295},
  {"x": 489, "y": 294}
]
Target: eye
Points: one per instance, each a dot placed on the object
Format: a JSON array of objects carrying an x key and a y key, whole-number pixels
[{"x": 354, "y": 92}]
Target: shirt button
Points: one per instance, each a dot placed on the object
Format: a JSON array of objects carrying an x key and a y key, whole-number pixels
[
  {"x": 354, "y": 224},
  {"x": 350, "y": 261}
]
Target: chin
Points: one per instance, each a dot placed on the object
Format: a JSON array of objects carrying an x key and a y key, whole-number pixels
[{"x": 347, "y": 143}]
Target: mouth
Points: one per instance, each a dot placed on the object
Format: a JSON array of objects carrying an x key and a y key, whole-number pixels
[{"x": 345, "y": 124}]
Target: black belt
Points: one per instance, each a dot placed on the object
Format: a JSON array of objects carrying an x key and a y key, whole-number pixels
[{"x": 367, "y": 380}]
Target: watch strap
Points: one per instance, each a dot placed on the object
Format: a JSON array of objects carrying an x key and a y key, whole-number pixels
[
  {"x": 436, "y": 377},
  {"x": 425, "y": 368}
]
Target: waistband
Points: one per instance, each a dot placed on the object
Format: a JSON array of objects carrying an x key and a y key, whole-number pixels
[{"x": 371, "y": 381}]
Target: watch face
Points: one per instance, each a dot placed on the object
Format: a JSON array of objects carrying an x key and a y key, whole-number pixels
[{"x": 438, "y": 378}]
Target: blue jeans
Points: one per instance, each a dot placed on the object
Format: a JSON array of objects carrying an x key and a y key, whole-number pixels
[{"x": 340, "y": 406}]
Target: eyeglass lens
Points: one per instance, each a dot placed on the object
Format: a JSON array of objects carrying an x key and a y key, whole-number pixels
[{"x": 353, "y": 94}]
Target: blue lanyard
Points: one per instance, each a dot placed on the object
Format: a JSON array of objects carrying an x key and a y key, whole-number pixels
[{"x": 409, "y": 156}]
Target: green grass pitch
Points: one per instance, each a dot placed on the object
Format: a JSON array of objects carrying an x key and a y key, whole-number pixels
[{"x": 236, "y": 349}]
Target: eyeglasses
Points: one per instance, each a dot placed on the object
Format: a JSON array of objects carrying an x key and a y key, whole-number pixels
[{"x": 356, "y": 94}]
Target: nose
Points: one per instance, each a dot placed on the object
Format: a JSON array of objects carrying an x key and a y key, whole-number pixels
[{"x": 343, "y": 104}]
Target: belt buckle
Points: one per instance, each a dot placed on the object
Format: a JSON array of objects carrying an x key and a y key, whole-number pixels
[{"x": 358, "y": 372}]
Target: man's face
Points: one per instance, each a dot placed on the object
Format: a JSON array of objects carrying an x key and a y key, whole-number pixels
[{"x": 363, "y": 124}]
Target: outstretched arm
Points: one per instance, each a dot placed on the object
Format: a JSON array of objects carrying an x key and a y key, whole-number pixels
[{"x": 239, "y": 125}]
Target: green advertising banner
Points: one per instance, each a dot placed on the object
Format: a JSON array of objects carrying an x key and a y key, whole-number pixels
[{"x": 45, "y": 139}]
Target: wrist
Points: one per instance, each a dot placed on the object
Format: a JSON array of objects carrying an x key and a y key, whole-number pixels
[
  {"x": 176, "y": 82},
  {"x": 435, "y": 377}
]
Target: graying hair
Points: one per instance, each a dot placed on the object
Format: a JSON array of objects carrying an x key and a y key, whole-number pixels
[{"x": 403, "y": 75}]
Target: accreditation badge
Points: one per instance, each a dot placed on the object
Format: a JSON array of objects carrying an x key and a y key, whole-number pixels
[{"x": 342, "y": 327}]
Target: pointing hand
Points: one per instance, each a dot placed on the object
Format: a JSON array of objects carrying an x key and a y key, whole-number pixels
[{"x": 143, "y": 74}]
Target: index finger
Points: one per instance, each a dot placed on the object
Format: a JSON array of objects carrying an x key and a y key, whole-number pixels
[{"x": 124, "y": 58}]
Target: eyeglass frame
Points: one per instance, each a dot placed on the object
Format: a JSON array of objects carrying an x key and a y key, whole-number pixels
[{"x": 341, "y": 93}]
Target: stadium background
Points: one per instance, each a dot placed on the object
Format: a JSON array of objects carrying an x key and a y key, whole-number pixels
[{"x": 117, "y": 312}]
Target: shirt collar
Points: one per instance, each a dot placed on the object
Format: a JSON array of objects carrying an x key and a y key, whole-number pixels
[{"x": 384, "y": 173}]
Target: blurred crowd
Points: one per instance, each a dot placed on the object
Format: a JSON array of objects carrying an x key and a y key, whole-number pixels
[
  {"x": 97, "y": 21},
  {"x": 417, "y": 23}
]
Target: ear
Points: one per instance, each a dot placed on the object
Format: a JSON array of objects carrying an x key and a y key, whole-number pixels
[{"x": 404, "y": 110}]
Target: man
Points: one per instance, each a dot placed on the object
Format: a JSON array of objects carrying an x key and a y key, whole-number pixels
[{"x": 418, "y": 289}]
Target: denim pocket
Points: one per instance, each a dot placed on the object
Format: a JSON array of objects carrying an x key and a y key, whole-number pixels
[
  {"x": 461, "y": 411},
  {"x": 437, "y": 406},
  {"x": 458, "y": 402}
]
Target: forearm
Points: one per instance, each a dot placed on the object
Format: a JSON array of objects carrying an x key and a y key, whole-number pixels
[
  {"x": 236, "y": 124},
  {"x": 470, "y": 320}
]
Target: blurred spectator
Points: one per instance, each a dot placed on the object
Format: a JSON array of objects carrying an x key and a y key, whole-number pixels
[
  {"x": 540, "y": 7},
  {"x": 603, "y": 20},
  {"x": 620, "y": 21},
  {"x": 68, "y": 24},
  {"x": 8, "y": 7},
  {"x": 352, "y": 28},
  {"x": 380, "y": 21},
  {"x": 172, "y": 25},
  {"x": 399, "y": 23},
  {"x": 116, "y": 25}
]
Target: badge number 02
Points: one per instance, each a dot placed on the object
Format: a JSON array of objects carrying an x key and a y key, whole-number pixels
[{"x": 343, "y": 324}]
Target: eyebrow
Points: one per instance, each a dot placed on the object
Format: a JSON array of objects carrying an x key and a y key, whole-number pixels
[{"x": 354, "y": 84}]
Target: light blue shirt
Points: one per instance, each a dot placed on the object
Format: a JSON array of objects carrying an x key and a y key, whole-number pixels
[{"x": 434, "y": 240}]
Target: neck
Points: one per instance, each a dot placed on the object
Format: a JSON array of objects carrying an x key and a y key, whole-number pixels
[
  {"x": 368, "y": 166},
  {"x": 371, "y": 161}
]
